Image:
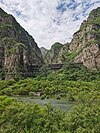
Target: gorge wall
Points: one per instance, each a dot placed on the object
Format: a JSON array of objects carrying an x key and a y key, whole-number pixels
[
  {"x": 85, "y": 45},
  {"x": 19, "y": 53},
  {"x": 18, "y": 50}
]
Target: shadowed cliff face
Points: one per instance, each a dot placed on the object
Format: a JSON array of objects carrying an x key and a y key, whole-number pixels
[
  {"x": 18, "y": 50},
  {"x": 52, "y": 54},
  {"x": 43, "y": 51},
  {"x": 85, "y": 45}
]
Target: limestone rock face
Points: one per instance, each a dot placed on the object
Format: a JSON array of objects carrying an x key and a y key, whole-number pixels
[
  {"x": 62, "y": 54},
  {"x": 43, "y": 51},
  {"x": 18, "y": 50},
  {"x": 85, "y": 45},
  {"x": 52, "y": 55},
  {"x": 90, "y": 57},
  {"x": 88, "y": 43}
]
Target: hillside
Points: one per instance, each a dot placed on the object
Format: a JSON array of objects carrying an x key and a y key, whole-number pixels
[
  {"x": 19, "y": 52},
  {"x": 52, "y": 54},
  {"x": 43, "y": 51},
  {"x": 85, "y": 45}
]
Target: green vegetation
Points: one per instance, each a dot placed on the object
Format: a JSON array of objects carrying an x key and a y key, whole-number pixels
[
  {"x": 57, "y": 46},
  {"x": 17, "y": 117},
  {"x": 2, "y": 13},
  {"x": 70, "y": 89},
  {"x": 74, "y": 83},
  {"x": 69, "y": 56},
  {"x": 5, "y": 26},
  {"x": 73, "y": 72},
  {"x": 20, "y": 117},
  {"x": 96, "y": 21},
  {"x": 70, "y": 77}
]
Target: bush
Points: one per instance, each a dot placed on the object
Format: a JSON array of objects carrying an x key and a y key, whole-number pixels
[{"x": 43, "y": 97}]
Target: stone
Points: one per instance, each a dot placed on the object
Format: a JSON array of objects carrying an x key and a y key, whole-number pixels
[{"x": 19, "y": 50}]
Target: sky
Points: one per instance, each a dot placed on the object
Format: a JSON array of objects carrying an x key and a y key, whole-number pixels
[{"x": 50, "y": 21}]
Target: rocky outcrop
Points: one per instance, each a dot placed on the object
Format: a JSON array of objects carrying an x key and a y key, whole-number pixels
[
  {"x": 19, "y": 52},
  {"x": 90, "y": 57},
  {"x": 85, "y": 45},
  {"x": 43, "y": 51},
  {"x": 62, "y": 54},
  {"x": 52, "y": 55},
  {"x": 86, "y": 42}
]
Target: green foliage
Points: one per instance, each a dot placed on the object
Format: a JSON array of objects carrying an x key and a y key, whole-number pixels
[
  {"x": 58, "y": 97},
  {"x": 70, "y": 89},
  {"x": 43, "y": 97},
  {"x": 57, "y": 46},
  {"x": 76, "y": 83},
  {"x": 21, "y": 118},
  {"x": 84, "y": 119},
  {"x": 5, "y": 26},
  {"x": 3, "y": 13},
  {"x": 67, "y": 56},
  {"x": 95, "y": 21}
]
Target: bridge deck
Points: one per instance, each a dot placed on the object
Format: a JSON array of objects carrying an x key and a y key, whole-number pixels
[{"x": 55, "y": 66}]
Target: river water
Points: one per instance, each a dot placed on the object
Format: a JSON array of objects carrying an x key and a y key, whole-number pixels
[{"x": 62, "y": 104}]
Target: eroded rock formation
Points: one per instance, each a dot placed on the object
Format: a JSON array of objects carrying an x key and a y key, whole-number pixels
[{"x": 18, "y": 50}]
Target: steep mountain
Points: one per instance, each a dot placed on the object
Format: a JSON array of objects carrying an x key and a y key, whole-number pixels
[
  {"x": 62, "y": 53},
  {"x": 19, "y": 52},
  {"x": 85, "y": 45},
  {"x": 52, "y": 55},
  {"x": 43, "y": 51}
]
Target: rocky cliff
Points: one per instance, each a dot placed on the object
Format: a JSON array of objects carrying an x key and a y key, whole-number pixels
[
  {"x": 19, "y": 52},
  {"x": 85, "y": 45},
  {"x": 43, "y": 51},
  {"x": 52, "y": 55}
]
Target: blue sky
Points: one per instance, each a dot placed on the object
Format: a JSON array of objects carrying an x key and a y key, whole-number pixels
[{"x": 50, "y": 21}]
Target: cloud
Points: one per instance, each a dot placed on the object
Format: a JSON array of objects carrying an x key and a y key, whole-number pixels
[{"x": 50, "y": 21}]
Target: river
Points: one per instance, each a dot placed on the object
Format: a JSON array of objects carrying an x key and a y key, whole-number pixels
[{"x": 62, "y": 104}]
